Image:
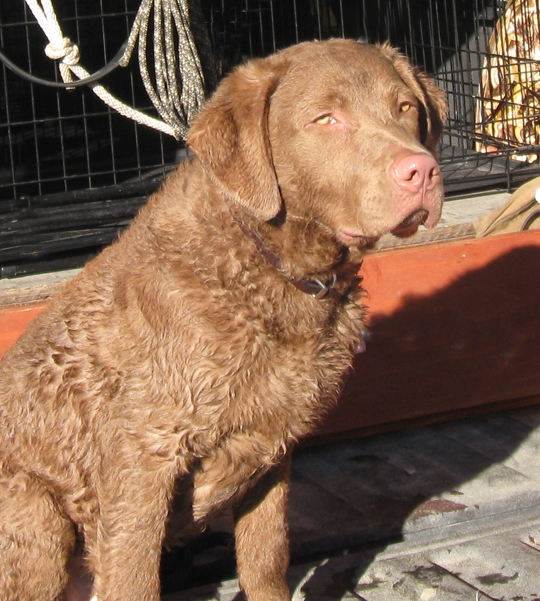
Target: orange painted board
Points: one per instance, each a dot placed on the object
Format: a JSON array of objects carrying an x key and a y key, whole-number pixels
[
  {"x": 13, "y": 322},
  {"x": 453, "y": 326}
]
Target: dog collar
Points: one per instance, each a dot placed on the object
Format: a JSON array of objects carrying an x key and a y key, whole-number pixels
[{"x": 314, "y": 287}]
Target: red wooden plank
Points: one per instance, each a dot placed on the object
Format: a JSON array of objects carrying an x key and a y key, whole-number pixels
[
  {"x": 454, "y": 326},
  {"x": 14, "y": 321}
]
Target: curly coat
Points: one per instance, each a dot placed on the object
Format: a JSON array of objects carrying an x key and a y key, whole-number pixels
[{"x": 189, "y": 357}]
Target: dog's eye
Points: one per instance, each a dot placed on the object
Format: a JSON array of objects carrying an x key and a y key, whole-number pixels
[
  {"x": 325, "y": 120},
  {"x": 405, "y": 106}
]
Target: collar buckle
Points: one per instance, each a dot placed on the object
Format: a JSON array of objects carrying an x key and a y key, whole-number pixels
[{"x": 325, "y": 289}]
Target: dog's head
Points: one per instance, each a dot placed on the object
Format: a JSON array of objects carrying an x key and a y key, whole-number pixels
[{"x": 340, "y": 132}]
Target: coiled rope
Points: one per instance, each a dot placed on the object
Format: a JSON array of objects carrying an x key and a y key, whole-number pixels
[
  {"x": 177, "y": 101},
  {"x": 179, "y": 88}
]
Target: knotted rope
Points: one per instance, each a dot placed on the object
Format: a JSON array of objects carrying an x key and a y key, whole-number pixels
[{"x": 177, "y": 99}]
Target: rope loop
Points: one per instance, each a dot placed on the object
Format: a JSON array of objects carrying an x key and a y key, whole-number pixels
[{"x": 177, "y": 100}]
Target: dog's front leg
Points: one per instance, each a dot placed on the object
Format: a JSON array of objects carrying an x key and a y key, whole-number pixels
[
  {"x": 261, "y": 535},
  {"x": 125, "y": 555}
]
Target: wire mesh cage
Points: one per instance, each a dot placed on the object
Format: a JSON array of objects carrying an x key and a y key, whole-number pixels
[
  {"x": 55, "y": 140},
  {"x": 73, "y": 171}
]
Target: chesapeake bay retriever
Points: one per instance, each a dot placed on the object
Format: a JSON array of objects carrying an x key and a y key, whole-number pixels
[{"x": 190, "y": 356}]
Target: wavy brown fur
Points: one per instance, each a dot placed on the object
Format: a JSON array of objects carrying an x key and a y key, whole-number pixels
[{"x": 181, "y": 360}]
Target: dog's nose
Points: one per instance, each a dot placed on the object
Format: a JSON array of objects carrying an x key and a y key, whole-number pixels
[{"x": 416, "y": 172}]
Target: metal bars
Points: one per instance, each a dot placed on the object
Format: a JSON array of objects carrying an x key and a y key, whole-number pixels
[{"x": 56, "y": 143}]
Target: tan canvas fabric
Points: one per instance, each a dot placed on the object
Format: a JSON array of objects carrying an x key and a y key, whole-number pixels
[{"x": 521, "y": 212}]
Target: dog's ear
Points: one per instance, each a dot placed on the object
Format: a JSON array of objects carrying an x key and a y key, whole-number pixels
[
  {"x": 431, "y": 97},
  {"x": 230, "y": 137}
]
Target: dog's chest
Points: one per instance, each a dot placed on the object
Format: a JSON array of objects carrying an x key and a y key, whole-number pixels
[
  {"x": 274, "y": 404},
  {"x": 276, "y": 374}
]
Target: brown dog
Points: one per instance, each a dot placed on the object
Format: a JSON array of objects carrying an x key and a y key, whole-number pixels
[{"x": 190, "y": 356}]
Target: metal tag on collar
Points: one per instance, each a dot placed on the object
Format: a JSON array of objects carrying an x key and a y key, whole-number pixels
[{"x": 325, "y": 288}]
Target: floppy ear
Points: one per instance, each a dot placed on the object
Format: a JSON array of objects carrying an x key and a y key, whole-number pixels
[
  {"x": 230, "y": 137},
  {"x": 431, "y": 97}
]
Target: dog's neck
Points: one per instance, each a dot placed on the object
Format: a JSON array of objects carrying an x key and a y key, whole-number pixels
[
  {"x": 314, "y": 287},
  {"x": 327, "y": 270}
]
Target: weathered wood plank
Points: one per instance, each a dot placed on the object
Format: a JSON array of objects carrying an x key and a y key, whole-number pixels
[
  {"x": 499, "y": 567},
  {"x": 498, "y": 439}
]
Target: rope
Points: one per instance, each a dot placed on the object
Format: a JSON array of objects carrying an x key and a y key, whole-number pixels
[
  {"x": 176, "y": 100},
  {"x": 105, "y": 70},
  {"x": 439, "y": 234}
]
